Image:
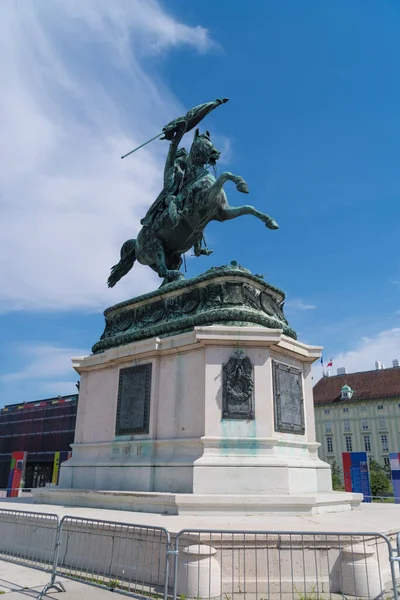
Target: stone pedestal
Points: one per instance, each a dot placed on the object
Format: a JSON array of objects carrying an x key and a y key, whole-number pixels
[{"x": 213, "y": 420}]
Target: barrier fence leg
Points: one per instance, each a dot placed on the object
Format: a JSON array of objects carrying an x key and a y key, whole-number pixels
[
  {"x": 393, "y": 559},
  {"x": 53, "y": 584},
  {"x": 175, "y": 554},
  {"x": 169, "y": 553}
]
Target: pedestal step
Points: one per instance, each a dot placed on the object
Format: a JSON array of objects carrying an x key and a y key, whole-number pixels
[{"x": 201, "y": 504}]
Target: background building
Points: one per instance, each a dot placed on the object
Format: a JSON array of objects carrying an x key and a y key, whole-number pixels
[
  {"x": 358, "y": 412},
  {"x": 42, "y": 429}
]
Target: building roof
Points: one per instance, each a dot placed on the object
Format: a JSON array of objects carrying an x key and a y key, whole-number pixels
[
  {"x": 367, "y": 385},
  {"x": 39, "y": 403}
]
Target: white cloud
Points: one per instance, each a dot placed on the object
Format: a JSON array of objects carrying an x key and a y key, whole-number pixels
[
  {"x": 154, "y": 30},
  {"x": 298, "y": 304},
  {"x": 383, "y": 347},
  {"x": 43, "y": 362},
  {"x": 78, "y": 91},
  {"x": 59, "y": 388},
  {"x": 42, "y": 370}
]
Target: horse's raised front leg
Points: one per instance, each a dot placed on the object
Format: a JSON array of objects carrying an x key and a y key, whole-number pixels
[
  {"x": 226, "y": 213},
  {"x": 215, "y": 189}
]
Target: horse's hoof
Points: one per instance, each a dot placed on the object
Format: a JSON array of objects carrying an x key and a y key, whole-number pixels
[
  {"x": 172, "y": 277},
  {"x": 175, "y": 276},
  {"x": 242, "y": 187},
  {"x": 271, "y": 224}
]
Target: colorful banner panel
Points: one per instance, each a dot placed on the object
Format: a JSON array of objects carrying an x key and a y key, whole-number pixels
[
  {"x": 18, "y": 460},
  {"x": 59, "y": 458},
  {"x": 356, "y": 474},
  {"x": 395, "y": 467}
]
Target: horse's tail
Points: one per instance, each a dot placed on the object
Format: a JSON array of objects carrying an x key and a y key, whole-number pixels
[{"x": 128, "y": 257}]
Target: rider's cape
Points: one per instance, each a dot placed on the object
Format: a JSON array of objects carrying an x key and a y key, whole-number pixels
[{"x": 158, "y": 205}]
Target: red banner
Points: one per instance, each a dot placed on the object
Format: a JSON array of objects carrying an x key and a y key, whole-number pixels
[
  {"x": 347, "y": 471},
  {"x": 17, "y": 470}
]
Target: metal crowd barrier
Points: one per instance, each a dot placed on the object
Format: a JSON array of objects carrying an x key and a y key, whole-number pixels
[
  {"x": 382, "y": 499},
  {"x": 272, "y": 565},
  {"x": 129, "y": 559},
  {"x": 149, "y": 562},
  {"x": 28, "y": 538}
]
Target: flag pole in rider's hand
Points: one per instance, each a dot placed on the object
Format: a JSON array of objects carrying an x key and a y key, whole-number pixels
[
  {"x": 145, "y": 144},
  {"x": 191, "y": 119}
]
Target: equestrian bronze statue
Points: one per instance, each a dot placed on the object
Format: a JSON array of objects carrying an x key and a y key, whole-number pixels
[{"x": 190, "y": 199}]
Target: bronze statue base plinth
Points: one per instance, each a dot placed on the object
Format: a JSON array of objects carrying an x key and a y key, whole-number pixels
[{"x": 228, "y": 295}]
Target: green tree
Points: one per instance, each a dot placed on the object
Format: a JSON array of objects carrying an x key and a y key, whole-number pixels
[
  {"x": 380, "y": 483},
  {"x": 388, "y": 471},
  {"x": 374, "y": 465},
  {"x": 337, "y": 484}
]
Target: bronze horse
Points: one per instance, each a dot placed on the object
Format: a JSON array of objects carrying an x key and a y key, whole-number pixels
[{"x": 176, "y": 221}]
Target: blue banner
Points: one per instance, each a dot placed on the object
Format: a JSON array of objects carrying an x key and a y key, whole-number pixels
[
  {"x": 395, "y": 467},
  {"x": 356, "y": 474}
]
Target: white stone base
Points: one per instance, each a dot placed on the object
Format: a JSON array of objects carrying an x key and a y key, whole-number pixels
[
  {"x": 198, "y": 466},
  {"x": 192, "y": 458},
  {"x": 201, "y": 504}
]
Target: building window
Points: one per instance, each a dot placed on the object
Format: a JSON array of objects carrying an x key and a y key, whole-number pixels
[
  {"x": 367, "y": 443},
  {"x": 349, "y": 444},
  {"x": 347, "y": 425},
  {"x": 364, "y": 424},
  {"x": 364, "y": 408},
  {"x": 386, "y": 460},
  {"x": 385, "y": 445},
  {"x": 346, "y": 409},
  {"x": 328, "y": 427},
  {"x": 382, "y": 423},
  {"x": 329, "y": 444},
  {"x": 380, "y": 406},
  {"x": 327, "y": 411}
]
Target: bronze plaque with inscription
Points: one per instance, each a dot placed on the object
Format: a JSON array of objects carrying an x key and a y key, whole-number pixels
[
  {"x": 288, "y": 398},
  {"x": 133, "y": 409}
]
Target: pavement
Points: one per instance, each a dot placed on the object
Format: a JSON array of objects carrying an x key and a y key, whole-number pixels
[
  {"x": 379, "y": 518},
  {"x": 21, "y": 582}
]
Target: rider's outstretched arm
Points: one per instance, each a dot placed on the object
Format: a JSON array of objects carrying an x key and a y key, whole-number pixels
[{"x": 173, "y": 147}]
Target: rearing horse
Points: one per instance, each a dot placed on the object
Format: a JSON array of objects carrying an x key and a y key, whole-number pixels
[{"x": 200, "y": 199}]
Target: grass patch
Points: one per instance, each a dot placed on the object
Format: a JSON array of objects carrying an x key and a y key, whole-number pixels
[
  {"x": 383, "y": 500},
  {"x": 112, "y": 584}
]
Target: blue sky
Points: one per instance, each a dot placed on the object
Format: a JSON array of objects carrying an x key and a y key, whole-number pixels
[{"x": 313, "y": 125}]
